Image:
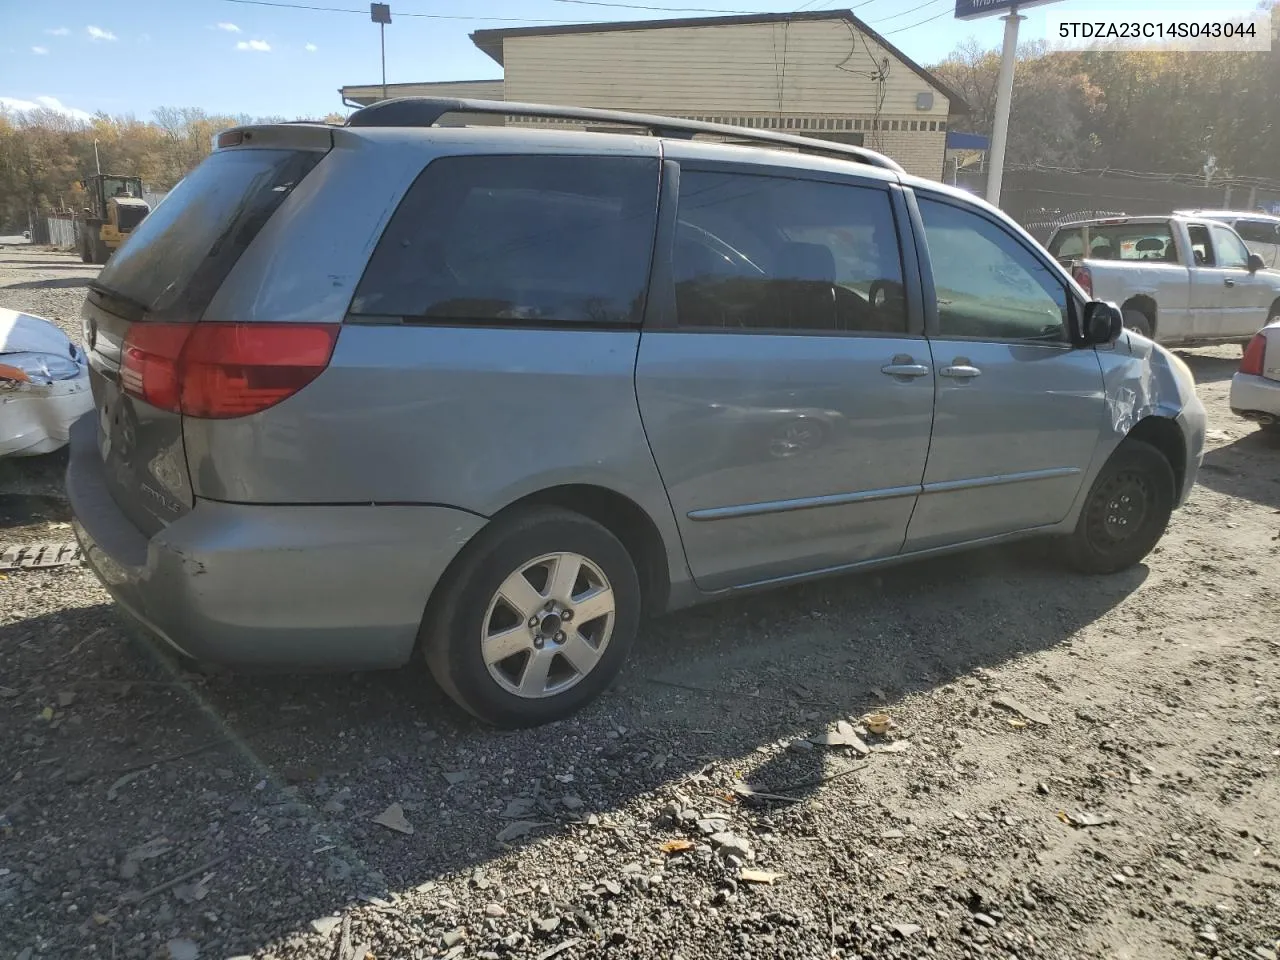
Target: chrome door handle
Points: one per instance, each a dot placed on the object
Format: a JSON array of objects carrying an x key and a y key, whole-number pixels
[
  {"x": 1227, "y": 281},
  {"x": 961, "y": 371},
  {"x": 908, "y": 370}
]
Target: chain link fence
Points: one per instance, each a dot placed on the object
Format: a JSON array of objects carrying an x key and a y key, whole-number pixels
[{"x": 1043, "y": 198}]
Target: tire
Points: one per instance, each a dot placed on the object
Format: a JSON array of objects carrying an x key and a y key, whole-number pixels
[
  {"x": 84, "y": 247},
  {"x": 1138, "y": 322},
  {"x": 1113, "y": 532},
  {"x": 100, "y": 252},
  {"x": 530, "y": 546}
]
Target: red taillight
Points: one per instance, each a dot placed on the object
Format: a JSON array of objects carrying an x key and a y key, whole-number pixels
[
  {"x": 1081, "y": 275},
  {"x": 223, "y": 370},
  {"x": 149, "y": 367},
  {"x": 1254, "y": 355}
]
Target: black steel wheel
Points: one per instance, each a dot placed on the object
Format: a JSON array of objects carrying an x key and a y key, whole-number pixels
[{"x": 1126, "y": 511}]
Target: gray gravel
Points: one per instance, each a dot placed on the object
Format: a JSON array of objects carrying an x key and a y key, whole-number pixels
[{"x": 149, "y": 811}]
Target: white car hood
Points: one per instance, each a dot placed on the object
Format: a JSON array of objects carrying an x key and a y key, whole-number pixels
[{"x": 24, "y": 333}]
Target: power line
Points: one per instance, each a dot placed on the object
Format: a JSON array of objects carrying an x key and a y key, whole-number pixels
[
  {"x": 927, "y": 3},
  {"x": 641, "y": 6},
  {"x": 944, "y": 13},
  {"x": 427, "y": 16}
]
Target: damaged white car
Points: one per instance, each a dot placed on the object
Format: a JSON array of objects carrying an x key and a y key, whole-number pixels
[{"x": 44, "y": 385}]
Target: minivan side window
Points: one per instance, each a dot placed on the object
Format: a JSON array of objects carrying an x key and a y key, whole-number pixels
[
  {"x": 989, "y": 286},
  {"x": 772, "y": 253},
  {"x": 518, "y": 240},
  {"x": 1231, "y": 249},
  {"x": 1258, "y": 231}
]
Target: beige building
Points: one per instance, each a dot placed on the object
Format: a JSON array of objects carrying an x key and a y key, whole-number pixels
[{"x": 822, "y": 74}]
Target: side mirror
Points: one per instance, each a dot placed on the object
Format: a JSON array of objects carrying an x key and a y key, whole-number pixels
[
  {"x": 1103, "y": 323},
  {"x": 1256, "y": 263}
]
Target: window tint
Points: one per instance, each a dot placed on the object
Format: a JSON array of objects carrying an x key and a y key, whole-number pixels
[
  {"x": 1231, "y": 249},
  {"x": 1201, "y": 248},
  {"x": 179, "y": 255},
  {"x": 532, "y": 239},
  {"x": 771, "y": 253},
  {"x": 1258, "y": 231},
  {"x": 989, "y": 286}
]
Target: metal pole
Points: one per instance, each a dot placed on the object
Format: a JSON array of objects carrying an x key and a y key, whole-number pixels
[
  {"x": 382, "y": 33},
  {"x": 1004, "y": 104},
  {"x": 96, "y": 162}
]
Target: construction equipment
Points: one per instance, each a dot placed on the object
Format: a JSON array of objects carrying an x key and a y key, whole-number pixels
[{"x": 113, "y": 207}]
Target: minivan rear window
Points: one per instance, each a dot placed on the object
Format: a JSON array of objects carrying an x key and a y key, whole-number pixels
[
  {"x": 518, "y": 240},
  {"x": 176, "y": 259}
]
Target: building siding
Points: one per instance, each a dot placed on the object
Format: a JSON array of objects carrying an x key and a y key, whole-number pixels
[{"x": 802, "y": 67}]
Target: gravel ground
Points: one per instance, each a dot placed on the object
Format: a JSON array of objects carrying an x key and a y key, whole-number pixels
[{"x": 1077, "y": 767}]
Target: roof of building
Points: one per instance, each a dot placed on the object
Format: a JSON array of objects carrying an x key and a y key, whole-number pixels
[
  {"x": 490, "y": 41},
  {"x": 967, "y": 141}
]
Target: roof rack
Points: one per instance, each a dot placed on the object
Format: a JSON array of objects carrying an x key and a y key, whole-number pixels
[{"x": 425, "y": 111}]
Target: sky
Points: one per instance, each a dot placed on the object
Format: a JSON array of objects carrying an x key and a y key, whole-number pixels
[{"x": 234, "y": 57}]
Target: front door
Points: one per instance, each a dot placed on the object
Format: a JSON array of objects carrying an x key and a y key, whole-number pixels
[
  {"x": 1249, "y": 294},
  {"x": 1019, "y": 411},
  {"x": 787, "y": 395}
]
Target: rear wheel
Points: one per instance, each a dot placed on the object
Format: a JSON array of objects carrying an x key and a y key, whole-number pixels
[
  {"x": 1137, "y": 321},
  {"x": 86, "y": 255},
  {"x": 1126, "y": 511},
  {"x": 100, "y": 252},
  {"x": 536, "y": 618}
]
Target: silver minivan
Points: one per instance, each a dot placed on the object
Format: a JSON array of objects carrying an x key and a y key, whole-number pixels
[{"x": 482, "y": 397}]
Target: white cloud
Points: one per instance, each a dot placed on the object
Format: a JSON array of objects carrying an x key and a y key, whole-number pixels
[
  {"x": 58, "y": 32},
  {"x": 40, "y": 50},
  {"x": 229, "y": 27},
  {"x": 43, "y": 103},
  {"x": 259, "y": 45},
  {"x": 311, "y": 48},
  {"x": 97, "y": 33}
]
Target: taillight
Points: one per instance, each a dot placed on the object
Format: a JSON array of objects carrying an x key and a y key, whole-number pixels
[
  {"x": 149, "y": 367},
  {"x": 1081, "y": 275},
  {"x": 1254, "y": 355},
  {"x": 221, "y": 370}
]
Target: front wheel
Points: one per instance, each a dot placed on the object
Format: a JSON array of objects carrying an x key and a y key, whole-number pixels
[
  {"x": 536, "y": 618},
  {"x": 1126, "y": 511},
  {"x": 1138, "y": 322}
]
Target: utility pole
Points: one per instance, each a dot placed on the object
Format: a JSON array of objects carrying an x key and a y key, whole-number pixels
[
  {"x": 380, "y": 13},
  {"x": 1004, "y": 105}
]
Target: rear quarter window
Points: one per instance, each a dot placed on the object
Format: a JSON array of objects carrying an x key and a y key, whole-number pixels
[
  {"x": 523, "y": 239},
  {"x": 178, "y": 256}
]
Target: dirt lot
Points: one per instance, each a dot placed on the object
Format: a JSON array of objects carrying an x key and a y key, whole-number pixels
[{"x": 1132, "y": 810}]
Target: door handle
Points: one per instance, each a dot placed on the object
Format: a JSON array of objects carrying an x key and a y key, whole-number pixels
[
  {"x": 961, "y": 371},
  {"x": 1227, "y": 281},
  {"x": 905, "y": 367}
]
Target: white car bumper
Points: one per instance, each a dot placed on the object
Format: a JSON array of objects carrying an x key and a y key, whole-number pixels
[
  {"x": 1256, "y": 398},
  {"x": 36, "y": 418}
]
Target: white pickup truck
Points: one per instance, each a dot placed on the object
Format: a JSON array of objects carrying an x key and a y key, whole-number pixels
[{"x": 1181, "y": 280}]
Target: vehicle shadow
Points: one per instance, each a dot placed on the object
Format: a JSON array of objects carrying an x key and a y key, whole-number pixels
[
  {"x": 57, "y": 283},
  {"x": 277, "y": 778},
  {"x": 1211, "y": 368},
  {"x": 1248, "y": 468}
]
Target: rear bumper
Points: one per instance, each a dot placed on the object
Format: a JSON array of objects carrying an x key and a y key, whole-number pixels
[
  {"x": 301, "y": 587},
  {"x": 1256, "y": 398}
]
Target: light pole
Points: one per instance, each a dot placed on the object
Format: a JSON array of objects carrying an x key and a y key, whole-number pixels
[
  {"x": 1004, "y": 105},
  {"x": 380, "y": 13}
]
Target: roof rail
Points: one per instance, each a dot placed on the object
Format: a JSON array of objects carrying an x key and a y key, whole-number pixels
[{"x": 425, "y": 111}]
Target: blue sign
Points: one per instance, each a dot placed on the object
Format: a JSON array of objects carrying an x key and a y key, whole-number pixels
[{"x": 973, "y": 9}]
